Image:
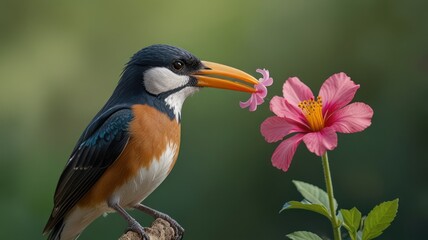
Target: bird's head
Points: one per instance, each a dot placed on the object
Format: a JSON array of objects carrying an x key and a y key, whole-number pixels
[{"x": 171, "y": 74}]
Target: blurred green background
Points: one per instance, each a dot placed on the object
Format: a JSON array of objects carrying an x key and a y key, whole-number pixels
[{"x": 60, "y": 61}]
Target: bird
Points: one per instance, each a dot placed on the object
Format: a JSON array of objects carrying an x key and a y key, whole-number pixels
[{"x": 132, "y": 143}]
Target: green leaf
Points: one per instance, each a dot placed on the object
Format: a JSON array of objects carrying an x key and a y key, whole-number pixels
[
  {"x": 352, "y": 219},
  {"x": 379, "y": 219},
  {"x": 314, "y": 194},
  {"x": 303, "y": 235},
  {"x": 305, "y": 205}
]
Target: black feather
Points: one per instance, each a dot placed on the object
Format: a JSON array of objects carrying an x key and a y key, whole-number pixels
[{"x": 89, "y": 161}]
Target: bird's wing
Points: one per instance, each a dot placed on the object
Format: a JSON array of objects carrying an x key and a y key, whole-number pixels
[{"x": 100, "y": 145}]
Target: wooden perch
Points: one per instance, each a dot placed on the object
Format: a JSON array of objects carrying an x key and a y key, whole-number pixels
[{"x": 160, "y": 230}]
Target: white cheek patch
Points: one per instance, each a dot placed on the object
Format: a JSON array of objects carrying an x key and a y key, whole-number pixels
[
  {"x": 175, "y": 101},
  {"x": 159, "y": 79}
]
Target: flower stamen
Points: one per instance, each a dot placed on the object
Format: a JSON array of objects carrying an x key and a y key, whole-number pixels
[{"x": 312, "y": 109}]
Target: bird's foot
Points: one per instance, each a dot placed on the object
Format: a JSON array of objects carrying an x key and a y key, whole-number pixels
[
  {"x": 133, "y": 225},
  {"x": 137, "y": 228},
  {"x": 178, "y": 230}
]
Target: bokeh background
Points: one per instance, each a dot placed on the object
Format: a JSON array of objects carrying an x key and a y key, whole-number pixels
[{"x": 60, "y": 61}]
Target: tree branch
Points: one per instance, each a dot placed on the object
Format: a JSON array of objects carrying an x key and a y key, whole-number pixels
[{"x": 160, "y": 230}]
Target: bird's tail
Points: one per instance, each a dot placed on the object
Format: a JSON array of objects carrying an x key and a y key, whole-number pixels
[
  {"x": 55, "y": 231},
  {"x": 70, "y": 227}
]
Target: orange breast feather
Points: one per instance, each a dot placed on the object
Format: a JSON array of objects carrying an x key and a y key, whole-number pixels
[{"x": 150, "y": 132}]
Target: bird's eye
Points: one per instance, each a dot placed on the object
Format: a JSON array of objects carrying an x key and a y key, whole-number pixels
[{"x": 178, "y": 65}]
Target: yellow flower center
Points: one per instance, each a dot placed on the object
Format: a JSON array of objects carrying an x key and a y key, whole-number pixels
[{"x": 313, "y": 112}]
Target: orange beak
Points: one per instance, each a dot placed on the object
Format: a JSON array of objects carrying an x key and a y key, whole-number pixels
[{"x": 209, "y": 77}]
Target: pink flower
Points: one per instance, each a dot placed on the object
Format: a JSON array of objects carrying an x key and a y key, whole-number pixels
[
  {"x": 314, "y": 121},
  {"x": 257, "y": 98}
]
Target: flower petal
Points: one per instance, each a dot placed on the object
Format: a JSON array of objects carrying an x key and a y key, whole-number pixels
[
  {"x": 277, "y": 106},
  {"x": 253, "y": 104},
  {"x": 352, "y": 118},
  {"x": 246, "y": 103},
  {"x": 337, "y": 91},
  {"x": 284, "y": 153},
  {"x": 282, "y": 108},
  {"x": 257, "y": 98},
  {"x": 266, "y": 80},
  {"x": 295, "y": 114},
  {"x": 263, "y": 72},
  {"x": 295, "y": 91},
  {"x": 321, "y": 141},
  {"x": 261, "y": 90},
  {"x": 276, "y": 128}
]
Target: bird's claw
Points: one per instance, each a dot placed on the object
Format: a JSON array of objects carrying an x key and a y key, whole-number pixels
[
  {"x": 179, "y": 230},
  {"x": 137, "y": 228}
]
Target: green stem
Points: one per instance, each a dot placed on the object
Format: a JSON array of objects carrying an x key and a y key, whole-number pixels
[{"x": 329, "y": 185}]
